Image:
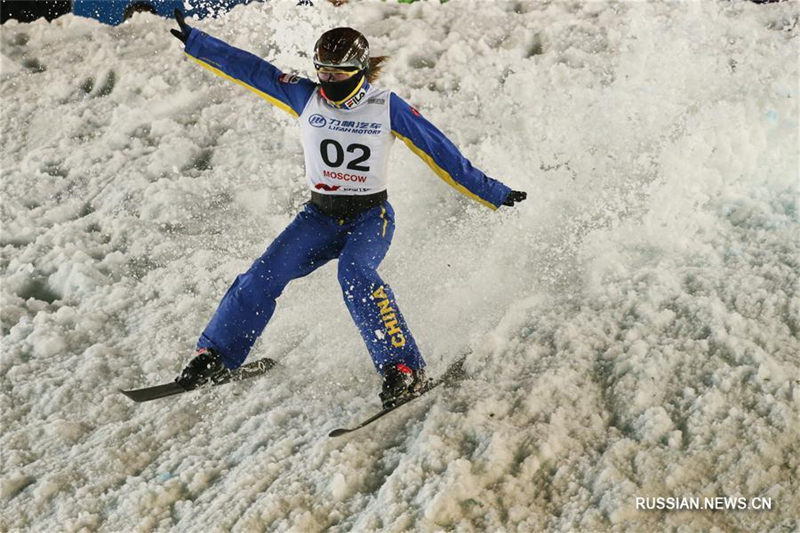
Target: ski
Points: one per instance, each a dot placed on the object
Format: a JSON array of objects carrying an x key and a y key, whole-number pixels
[
  {"x": 453, "y": 373},
  {"x": 246, "y": 371}
]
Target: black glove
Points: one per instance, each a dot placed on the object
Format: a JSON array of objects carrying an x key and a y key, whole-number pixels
[
  {"x": 515, "y": 196},
  {"x": 183, "y": 33}
]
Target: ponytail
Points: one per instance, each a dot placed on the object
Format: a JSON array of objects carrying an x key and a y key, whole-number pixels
[{"x": 375, "y": 66}]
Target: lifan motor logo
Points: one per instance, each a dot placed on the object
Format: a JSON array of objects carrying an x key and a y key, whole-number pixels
[{"x": 318, "y": 121}]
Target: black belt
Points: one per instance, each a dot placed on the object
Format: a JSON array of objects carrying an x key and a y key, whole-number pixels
[{"x": 346, "y": 206}]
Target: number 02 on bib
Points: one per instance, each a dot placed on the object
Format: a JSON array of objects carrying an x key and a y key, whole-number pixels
[{"x": 347, "y": 152}]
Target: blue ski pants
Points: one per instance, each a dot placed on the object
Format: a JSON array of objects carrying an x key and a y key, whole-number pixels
[{"x": 311, "y": 240}]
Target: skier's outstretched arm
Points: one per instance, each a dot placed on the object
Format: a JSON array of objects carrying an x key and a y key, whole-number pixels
[
  {"x": 430, "y": 144},
  {"x": 288, "y": 92}
]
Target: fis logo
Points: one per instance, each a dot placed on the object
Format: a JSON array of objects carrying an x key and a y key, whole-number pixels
[
  {"x": 318, "y": 121},
  {"x": 354, "y": 100},
  {"x": 389, "y": 317}
]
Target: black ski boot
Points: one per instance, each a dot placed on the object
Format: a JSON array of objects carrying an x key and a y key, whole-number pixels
[
  {"x": 206, "y": 366},
  {"x": 401, "y": 383}
]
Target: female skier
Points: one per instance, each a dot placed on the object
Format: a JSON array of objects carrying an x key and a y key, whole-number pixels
[{"x": 347, "y": 129}]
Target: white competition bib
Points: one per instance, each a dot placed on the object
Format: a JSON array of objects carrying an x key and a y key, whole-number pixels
[{"x": 347, "y": 150}]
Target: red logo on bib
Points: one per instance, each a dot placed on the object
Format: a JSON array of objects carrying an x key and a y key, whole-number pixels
[{"x": 324, "y": 187}]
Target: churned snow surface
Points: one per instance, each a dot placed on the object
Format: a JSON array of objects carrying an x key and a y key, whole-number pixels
[{"x": 632, "y": 328}]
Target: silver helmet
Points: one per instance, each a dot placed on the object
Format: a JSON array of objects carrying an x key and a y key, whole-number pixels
[{"x": 342, "y": 48}]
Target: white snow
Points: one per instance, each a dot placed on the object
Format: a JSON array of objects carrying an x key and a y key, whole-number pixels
[{"x": 632, "y": 328}]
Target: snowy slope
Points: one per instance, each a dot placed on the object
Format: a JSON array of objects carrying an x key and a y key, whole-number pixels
[{"x": 632, "y": 328}]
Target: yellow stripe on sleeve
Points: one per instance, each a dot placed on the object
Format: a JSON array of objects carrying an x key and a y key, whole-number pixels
[
  {"x": 271, "y": 99},
  {"x": 442, "y": 173},
  {"x": 385, "y": 222}
]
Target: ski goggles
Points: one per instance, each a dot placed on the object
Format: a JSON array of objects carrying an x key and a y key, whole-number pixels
[{"x": 334, "y": 74}]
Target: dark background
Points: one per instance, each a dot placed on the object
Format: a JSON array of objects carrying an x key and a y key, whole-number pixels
[{"x": 30, "y": 10}]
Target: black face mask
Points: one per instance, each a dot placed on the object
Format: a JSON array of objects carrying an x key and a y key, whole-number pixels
[{"x": 337, "y": 91}]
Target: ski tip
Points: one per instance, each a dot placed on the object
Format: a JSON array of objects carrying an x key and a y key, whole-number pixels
[
  {"x": 337, "y": 432},
  {"x": 129, "y": 393}
]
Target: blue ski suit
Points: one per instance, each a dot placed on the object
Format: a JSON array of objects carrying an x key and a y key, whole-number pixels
[{"x": 314, "y": 237}]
